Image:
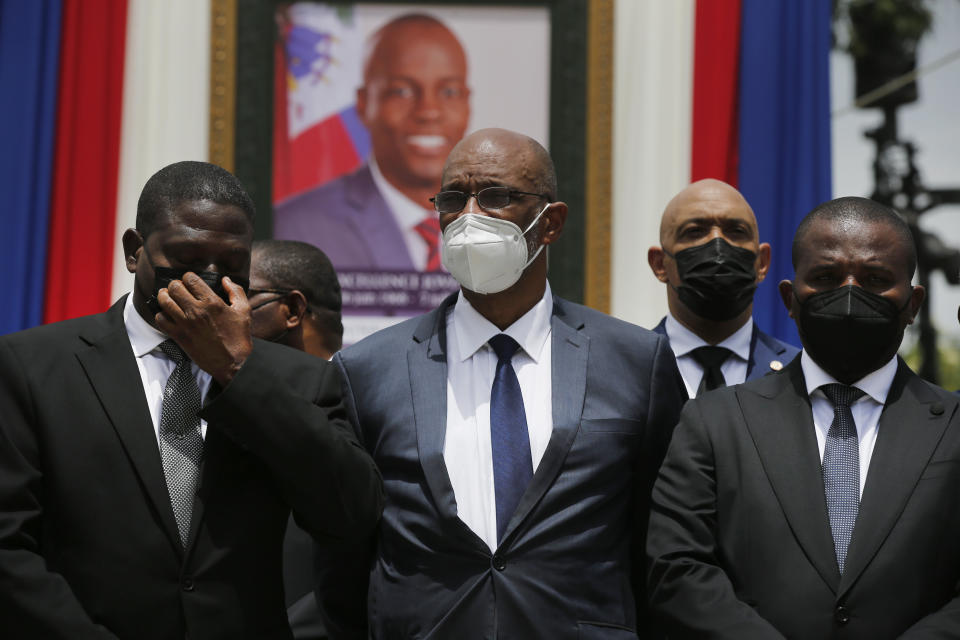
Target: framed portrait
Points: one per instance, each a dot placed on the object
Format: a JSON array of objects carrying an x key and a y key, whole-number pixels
[{"x": 344, "y": 114}]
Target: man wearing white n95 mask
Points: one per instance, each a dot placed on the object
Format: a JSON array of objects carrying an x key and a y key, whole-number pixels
[{"x": 518, "y": 434}]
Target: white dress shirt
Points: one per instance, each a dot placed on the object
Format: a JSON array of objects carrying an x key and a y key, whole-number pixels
[
  {"x": 471, "y": 365},
  {"x": 407, "y": 213},
  {"x": 155, "y": 367},
  {"x": 683, "y": 341},
  {"x": 866, "y": 410}
]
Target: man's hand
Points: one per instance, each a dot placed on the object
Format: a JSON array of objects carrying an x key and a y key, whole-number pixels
[{"x": 215, "y": 335}]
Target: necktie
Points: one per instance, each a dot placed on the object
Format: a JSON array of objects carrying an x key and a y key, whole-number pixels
[
  {"x": 711, "y": 359},
  {"x": 429, "y": 230},
  {"x": 841, "y": 468},
  {"x": 181, "y": 443},
  {"x": 510, "y": 442}
]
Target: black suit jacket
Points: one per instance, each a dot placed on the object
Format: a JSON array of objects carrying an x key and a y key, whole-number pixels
[
  {"x": 565, "y": 568},
  {"x": 88, "y": 541},
  {"x": 740, "y": 542}
]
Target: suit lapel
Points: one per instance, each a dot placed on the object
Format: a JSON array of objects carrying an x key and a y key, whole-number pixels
[
  {"x": 569, "y": 351},
  {"x": 762, "y": 354},
  {"x": 376, "y": 222},
  {"x": 112, "y": 370},
  {"x": 780, "y": 421},
  {"x": 911, "y": 426}
]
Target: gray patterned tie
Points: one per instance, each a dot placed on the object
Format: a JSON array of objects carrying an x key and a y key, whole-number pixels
[
  {"x": 841, "y": 468},
  {"x": 181, "y": 443}
]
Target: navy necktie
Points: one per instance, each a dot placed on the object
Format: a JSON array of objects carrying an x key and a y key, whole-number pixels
[
  {"x": 841, "y": 468},
  {"x": 711, "y": 359},
  {"x": 509, "y": 439}
]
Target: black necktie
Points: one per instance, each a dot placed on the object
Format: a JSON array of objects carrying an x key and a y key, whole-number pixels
[
  {"x": 509, "y": 438},
  {"x": 181, "y": 443},
  {"x": 710, "y": 359},
  {"x": 841, "y": 468}
]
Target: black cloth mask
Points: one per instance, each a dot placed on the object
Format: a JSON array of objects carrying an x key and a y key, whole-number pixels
[
  {"x": 718, "y": 279},
  {"x": 163, "y": 276},
  {"x": 849, "y": 331}
]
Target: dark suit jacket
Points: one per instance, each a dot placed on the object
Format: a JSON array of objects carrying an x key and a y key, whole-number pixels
[
  {"x": 349, "y": 220},
  {"x": 765, "y": 350},
  {"x": 571, "y": 551},
  {"x": 88, "y": 541},
  {"x": 740, "y": 540}
]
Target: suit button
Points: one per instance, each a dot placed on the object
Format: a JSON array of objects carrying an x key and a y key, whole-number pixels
[
  {"x": 499, "y": 563},
  {"x": 841, "y": 615},
  {"x": 187, "y": 583}
]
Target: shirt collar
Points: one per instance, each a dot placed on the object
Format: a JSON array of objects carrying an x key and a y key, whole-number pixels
[
  {"x": 408, "y": 213},
  {"x": 683, "y": 341},
  {"x": 143, "y": 337},
  {"x": 531, "y": 330},
  {"x": 875, "y": 384}
]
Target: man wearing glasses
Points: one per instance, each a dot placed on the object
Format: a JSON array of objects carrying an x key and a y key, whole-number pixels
[{"x": 518, "y": 434}]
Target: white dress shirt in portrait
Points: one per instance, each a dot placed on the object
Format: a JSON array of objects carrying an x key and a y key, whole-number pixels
[{"x": 408, "y": 215}]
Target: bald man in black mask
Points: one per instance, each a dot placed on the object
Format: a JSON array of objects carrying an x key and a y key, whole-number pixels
[
  {"x": 711, "y": 259},
  {"x": 819, "y": 502}
]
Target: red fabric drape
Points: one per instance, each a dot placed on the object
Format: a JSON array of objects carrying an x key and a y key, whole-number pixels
[
  {"x": 81, "y": 246},
  {"x": 715, "y": 88}
]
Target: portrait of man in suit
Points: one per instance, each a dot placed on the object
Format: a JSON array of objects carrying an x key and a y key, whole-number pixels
[
  {"x": 711, "y": 259},
  {"x": 518, "y": 434},
  {"x": 150, "y": 455},
  {"x": 820, "y": 501},
  {"x": 414, "y": 101}
]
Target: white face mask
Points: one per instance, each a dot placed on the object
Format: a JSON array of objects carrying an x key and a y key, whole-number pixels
[{"x": 485, "y": 254}]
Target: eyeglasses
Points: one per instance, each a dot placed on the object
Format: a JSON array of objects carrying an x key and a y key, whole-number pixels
[
  {"x": 279, "y": 295},
  {"x": 489, "y": 198}
]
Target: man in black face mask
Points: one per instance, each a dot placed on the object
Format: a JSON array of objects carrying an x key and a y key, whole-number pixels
[
  {"x": 150, "y": 455},
  {"x": 711, "y": 259},
  {"x": 820, "y": 502}
]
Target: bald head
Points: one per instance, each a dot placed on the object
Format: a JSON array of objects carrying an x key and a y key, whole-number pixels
[
  {"x": 397, "y": 36},
  {"x": 702, "y": 200},
  {"x": 516, "y": 159}
]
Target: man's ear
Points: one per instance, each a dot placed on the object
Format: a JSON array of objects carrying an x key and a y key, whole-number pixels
[
  {"x": 763, "y": 261},
  {"x": 655, "y": 260},
  {"x": 132, "y": 243},
  {"x": 553, "y": 220},
  {"x": 916, "y": 299},
  {"x": 786, "y": 294},
  {"x": 361, "y": 105},
  {"x": 294, "y": 306}
]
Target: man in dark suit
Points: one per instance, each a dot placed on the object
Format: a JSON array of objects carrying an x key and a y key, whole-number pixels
[
  {"x": 821, "y": 501},
  {"x": 295, "y": 300},
  {"x": 711, "y": 259},
  {"x": 415, "y": 103},
  {"x": 518, "y": 434},
  {"x": 150, "y": 455}
]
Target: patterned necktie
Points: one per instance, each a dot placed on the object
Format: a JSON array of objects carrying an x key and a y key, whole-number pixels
[
  {"x": 841, "y": 468},
  {"x": 509, "y": 439},
  {"x": 429, "y": 230},
  {"x": 181, "y": 443},
  {"x": 711, "y": 359}
]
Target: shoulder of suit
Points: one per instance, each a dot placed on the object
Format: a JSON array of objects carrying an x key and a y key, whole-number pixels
[
  {"x": 788, "y": 350},
  {"x": 54, "y": 336},
  {"x": 597, "y": 323},
  {"x": 328, "y": 200},
  {"x": 397, "y": 336}
]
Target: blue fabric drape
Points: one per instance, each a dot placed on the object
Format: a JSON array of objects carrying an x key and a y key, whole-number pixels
[
  {"x": 29, "y": 60},
  {"x": 784, "y": 132}
]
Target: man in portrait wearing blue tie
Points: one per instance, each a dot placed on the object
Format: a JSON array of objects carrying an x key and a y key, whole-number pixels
[
  {"x": 518, "y": 434},
  {"x": 820, "y": 501},
  {"x": 711, "y": 259}
]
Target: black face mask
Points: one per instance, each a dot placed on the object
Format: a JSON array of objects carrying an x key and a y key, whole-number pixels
[
  {"x": 849, "y": 331},
  {"x": 163, "y": 276},
  {"x": 718, "y": 279}
]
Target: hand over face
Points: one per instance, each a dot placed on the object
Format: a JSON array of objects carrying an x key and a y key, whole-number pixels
[{"x": 214, "y": 334}]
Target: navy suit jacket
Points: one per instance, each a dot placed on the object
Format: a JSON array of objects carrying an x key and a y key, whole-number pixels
[
  {"x": 740, "y": 539},
  {"x": 764, "y": 351},
  {"x": 570, "y": 563},
  {"x": 349, "y": 220}
]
